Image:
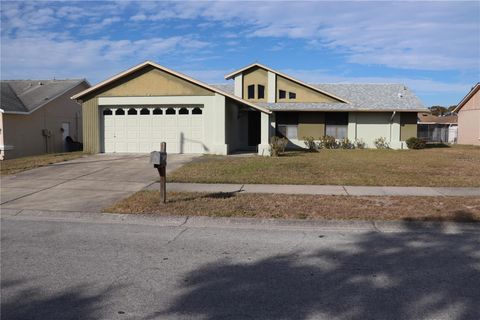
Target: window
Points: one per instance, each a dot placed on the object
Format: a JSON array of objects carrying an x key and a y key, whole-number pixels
[
  {"x": 289, "y": 131},
  {"x": 132, "y": 111},
  {"x": 170, "y": 111},
  {"x": 261, "y": 91},
  {"x": 197, "y": 110},
  {"x": 336, "y": 124},
  {"x": 183, "y": 111},
  {"x": 157, "y": 111},
  {"x": 292, "y": 95},
  {"x": 119, "y": 112},
  {"x": 282, "y": 94},
  {"x": 287, "y": 124},
  {"x": 144, "y": 111},
  {"x": 251, "y": 91},
  {"x": 107, "y": 112}
]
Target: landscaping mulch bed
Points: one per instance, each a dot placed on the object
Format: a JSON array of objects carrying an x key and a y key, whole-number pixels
[{"x": 466, "y": 209}]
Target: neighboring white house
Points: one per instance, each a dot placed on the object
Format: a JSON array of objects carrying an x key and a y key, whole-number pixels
[{"x": 137, "y": 109}]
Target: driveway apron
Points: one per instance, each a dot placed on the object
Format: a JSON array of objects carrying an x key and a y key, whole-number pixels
[{"x": 86, "y": 184}]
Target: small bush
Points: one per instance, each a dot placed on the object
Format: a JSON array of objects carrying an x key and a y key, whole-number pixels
[
  {"x": 381, "y": 143},
  {"x": 346, "y": 144},
  {"x": 310, "y": 144},
  {"x": 277, "y": 146},
  {"x": 360, "y": 144},
  {"x": 328, "y": 142},
  {"x": 415, "y": 143}
]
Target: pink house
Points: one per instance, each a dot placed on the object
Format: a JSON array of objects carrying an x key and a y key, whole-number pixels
[{"x": 469, "y": 117}]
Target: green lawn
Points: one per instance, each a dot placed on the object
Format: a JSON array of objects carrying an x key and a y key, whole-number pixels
[
  {"x": 457, "y": 166},
  {"x": 26, "y": 163}
]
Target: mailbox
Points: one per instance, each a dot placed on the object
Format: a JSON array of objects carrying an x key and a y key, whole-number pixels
[{"x": 158, "y": 158}]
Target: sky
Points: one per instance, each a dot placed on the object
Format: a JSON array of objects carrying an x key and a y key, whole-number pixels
[{"x": 432, "y": 47}]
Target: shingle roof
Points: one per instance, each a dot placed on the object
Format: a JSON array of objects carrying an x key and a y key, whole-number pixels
[
  {"x": 430, "y": 118},
  {"x": 27, "y": 95},
  {"x": 363, "y": 97}
]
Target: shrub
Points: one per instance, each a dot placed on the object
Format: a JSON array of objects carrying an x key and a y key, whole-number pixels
[
  {"x": 346, "y": 144},
  {"x": 360, "y": 144},
  {"x": 277, "y": 146},
  {"x": 381, "y": 143},
  {"x": 415, "y": 143},
  {"x": 310, "y": 144},
  {"x": 328, "y": 142}
]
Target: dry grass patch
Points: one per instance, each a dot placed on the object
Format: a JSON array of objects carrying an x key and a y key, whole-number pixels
[
  {"x": 456, "y": 166},
  {"x": 26, "y": 163},
  {"x": 303, "y": 206}
]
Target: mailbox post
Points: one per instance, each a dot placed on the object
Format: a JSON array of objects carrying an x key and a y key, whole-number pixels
[{"x": 159, "y": 161}]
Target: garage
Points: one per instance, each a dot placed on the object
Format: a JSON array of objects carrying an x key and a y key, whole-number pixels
[{"x": 141, "y": 129}]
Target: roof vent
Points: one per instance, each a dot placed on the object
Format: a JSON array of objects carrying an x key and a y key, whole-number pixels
[{"x": 400, "y": 95}]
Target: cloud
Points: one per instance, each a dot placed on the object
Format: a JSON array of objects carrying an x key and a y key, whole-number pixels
[
  {"x": 77, "y": 56},
  {"x": 416, "y": 35}
]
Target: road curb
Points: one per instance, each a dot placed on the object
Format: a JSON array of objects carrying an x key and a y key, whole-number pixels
[{"x": 240, "y": 223}]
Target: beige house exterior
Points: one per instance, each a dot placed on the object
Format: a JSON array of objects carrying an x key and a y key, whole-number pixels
[
  {"x": 468, "y": 111},
  {"x": 38, "y": 115},
  {"x": 139, "y": 108}
]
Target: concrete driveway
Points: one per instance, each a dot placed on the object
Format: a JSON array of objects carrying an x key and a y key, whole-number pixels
[{"x": 87, "y": 184}]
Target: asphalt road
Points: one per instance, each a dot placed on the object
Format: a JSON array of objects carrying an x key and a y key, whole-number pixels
[{"x": 109, "y": 270}]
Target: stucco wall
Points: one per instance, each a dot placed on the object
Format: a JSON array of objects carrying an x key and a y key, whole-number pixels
[
  {"x": 469, "y": 121},
  {"x": 24, "y": 132},
  {"x": 469, "y": 127},
  {"x": 473, "y": 103},
  {"x": 303, "y": 94},
  {"x": 255, "y": 76}
]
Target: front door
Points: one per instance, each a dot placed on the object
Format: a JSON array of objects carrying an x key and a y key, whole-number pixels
[{"x": 253, "y": 128}]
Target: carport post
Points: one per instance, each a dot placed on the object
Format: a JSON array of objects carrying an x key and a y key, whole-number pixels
[{"x": 162, "y": 170}]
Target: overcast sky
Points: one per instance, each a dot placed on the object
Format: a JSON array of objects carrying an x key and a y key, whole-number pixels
[{"x": 433, "y": 47}]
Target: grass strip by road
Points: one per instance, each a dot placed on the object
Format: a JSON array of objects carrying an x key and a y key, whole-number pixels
[
  {"x": 465, "y": 209},
  {"x": 456, "y": 166},
  {"x": 12, "y": 166}
]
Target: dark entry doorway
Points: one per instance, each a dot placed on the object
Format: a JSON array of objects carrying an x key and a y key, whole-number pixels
[{"x": 253, "y": 128}]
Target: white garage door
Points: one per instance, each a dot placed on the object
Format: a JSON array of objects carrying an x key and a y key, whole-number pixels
[{"x": 142, "y": 129}]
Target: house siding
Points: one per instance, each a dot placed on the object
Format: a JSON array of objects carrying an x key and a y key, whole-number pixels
[
  {"x": 91, "y": 126},
  {"x": 408, "y": 125},
  {"x": 24, "y": 131}
]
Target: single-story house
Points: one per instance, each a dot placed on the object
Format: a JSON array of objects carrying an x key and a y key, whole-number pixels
[
  {"x": 436, "y": 129},
  {"x": 38, "y": 115},
  {"x": 468, "y": 111},
  {"x": 139, "y": 108}
]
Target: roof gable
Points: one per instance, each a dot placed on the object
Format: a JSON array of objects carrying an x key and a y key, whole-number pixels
[
  {"x": 91, "y": 91},
  {"x": 26, "y": 96},
  {"x": 283, "y": 75},
  {"x": 469, "y": 95}
]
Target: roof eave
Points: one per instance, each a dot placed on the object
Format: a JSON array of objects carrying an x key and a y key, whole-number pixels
[{"x": 467, "y": 97}]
